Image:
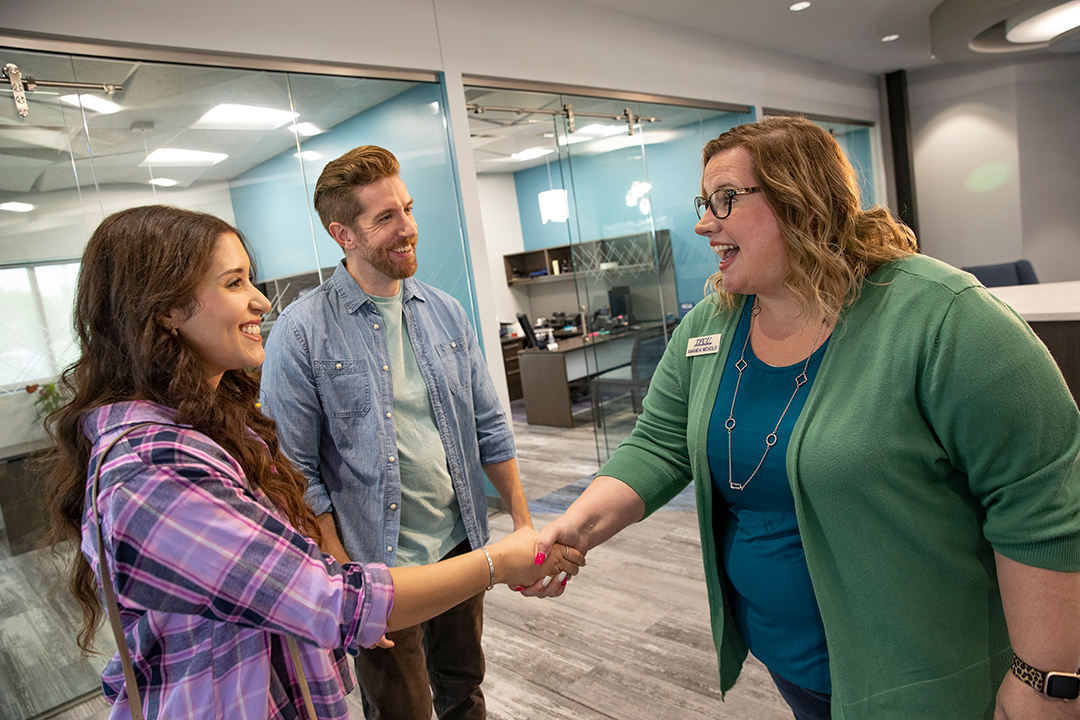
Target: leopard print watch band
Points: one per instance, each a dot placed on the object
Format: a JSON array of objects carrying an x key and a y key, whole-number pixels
[{"x": 1065, "y": 686}]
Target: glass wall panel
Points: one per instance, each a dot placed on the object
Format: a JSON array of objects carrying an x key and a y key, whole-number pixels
[
  {"x": 621, "y": 242},
  {"x": 245, "y": 145}
]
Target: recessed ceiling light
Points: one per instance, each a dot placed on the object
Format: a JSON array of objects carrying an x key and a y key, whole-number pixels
[
  {"x": 306, "y": 129},
  {"x": 163, "y": 182},
  {"x": 243, "y": 117},
  {"x": 174, "y": 157},
  {"x": 308, "y": 155},
  {"x": 531, "y": 153},
  {"x": 91, "y": 102},
  {"x": 890, "y": 38},
  {"x": 799, "y": 6},
  {"x": 16, "y": 207},
  {"x": 1046, "y": 25}
]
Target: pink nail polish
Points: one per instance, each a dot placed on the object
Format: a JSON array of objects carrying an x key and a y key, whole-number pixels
[
  {"x": 563, "y": 583},
  {"x": 518, "y": 589},
  {"x": 540, "y": 558}
]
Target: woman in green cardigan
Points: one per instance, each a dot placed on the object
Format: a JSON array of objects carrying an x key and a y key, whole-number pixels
[{"x": 885, "y": 457}]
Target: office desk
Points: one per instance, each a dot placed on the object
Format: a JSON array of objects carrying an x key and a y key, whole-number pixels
[
  {"x": 546, "y": 374},
  {"x": 1053, "y": 312}
]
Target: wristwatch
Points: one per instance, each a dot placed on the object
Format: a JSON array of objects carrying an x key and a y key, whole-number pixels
[{"x": 1061, "y": 685}]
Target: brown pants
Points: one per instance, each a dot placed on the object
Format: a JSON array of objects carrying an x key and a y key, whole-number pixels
[{"x": 439, "y": 660}]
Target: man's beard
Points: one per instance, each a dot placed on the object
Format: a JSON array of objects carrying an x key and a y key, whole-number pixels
[{"x": 389, "y": 266}]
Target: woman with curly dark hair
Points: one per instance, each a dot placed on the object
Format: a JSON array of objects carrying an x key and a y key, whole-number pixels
[{"x": 205, "y": 532}]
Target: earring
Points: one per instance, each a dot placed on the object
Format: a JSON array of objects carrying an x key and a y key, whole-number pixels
[{"x": 172, "y": 330}]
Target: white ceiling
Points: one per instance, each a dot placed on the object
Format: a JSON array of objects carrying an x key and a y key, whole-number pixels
[
  {"x": 846, "y": 33},
  {"x": 45, "y": 153}
]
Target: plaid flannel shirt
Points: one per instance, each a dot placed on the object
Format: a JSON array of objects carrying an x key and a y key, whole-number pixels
[{"x": 210, "y": 576}]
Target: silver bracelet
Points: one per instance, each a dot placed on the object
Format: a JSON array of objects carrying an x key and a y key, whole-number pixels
[{"x": 491, "y": 569}]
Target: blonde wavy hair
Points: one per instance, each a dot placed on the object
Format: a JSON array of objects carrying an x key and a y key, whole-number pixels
[{"x": 832, "y": 244}]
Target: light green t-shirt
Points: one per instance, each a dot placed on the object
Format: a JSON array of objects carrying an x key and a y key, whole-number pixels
[{"x": 431, "y": 523}]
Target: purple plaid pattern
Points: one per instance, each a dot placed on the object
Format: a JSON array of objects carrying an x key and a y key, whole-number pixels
[{"x": 209, "y": 575}]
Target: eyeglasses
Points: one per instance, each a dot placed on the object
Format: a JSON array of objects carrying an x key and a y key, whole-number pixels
[{"x": 720, "y": 201}]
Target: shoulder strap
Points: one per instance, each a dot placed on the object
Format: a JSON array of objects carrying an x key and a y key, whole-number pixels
[
  {"x": 109, "y": 589},
  {"x": 298, "y": 668}
]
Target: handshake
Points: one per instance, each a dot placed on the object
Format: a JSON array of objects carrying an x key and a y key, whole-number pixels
[
  {"x": 531, "y": 568},
  {"x": 539, "y": 564}
]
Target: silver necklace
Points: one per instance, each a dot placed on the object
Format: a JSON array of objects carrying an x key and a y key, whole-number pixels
[{"x": 770, "y": 439}]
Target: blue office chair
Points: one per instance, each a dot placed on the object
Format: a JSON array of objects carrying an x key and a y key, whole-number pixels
[{"x": 1014, "y": 273}]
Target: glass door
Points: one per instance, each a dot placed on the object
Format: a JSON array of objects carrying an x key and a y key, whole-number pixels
[
  {"x": 47, "y": 208},
  {"x": 621, "y": 264},
  {"x": 600, "y": 251}
]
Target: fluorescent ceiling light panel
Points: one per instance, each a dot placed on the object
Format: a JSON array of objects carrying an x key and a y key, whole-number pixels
[
  {"x": 309, "y": 155},
  {"x": 531, "y": 153},
  {"x": 890, "y": 38},
  {"x": 16, "y": 207},
  {"x": 598, "y": 130},
  {"x": 1046, "y": 25},
  {"x": 799, "y": 6},
  {"x": 163, "y": 182},
  {"x": 174, "y": 157},
  {"x": 306, "y": 129},
  {"x": 243, "y": 117},
  {"x": 91, "y": 102}
]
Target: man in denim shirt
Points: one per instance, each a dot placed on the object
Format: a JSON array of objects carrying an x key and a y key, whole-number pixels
[{"x": 383, "y": 401}]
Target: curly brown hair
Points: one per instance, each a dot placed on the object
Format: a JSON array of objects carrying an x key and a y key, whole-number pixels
[
  {"x": 139, "y": 264},
  {"x": 832, "y": 244}
]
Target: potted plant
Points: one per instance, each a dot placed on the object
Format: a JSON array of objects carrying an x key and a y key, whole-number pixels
[{"x": 48, "y": 398}]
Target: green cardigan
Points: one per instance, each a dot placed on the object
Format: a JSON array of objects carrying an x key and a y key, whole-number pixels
[{"x": 938, "y": 430}]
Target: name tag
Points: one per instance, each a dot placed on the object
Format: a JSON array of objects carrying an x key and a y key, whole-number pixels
[{"x": 705, "y": 345}]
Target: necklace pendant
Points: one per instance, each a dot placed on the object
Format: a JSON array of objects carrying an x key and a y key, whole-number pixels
[{"x": 736, "y": 486}]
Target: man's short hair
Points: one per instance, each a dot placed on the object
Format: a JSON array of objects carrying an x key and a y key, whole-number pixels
[{"x": 335, "y": 192}]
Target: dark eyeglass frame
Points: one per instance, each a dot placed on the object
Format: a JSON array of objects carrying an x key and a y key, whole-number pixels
[{"x": 726, "y": 193}]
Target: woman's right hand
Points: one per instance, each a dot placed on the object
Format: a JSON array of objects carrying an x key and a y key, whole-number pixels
[{"x": 518, "y": 565}]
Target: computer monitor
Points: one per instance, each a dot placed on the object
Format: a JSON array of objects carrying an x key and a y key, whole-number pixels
[
  {"x": 527, "y": 329},
  {"x": 619, "y": 302}
]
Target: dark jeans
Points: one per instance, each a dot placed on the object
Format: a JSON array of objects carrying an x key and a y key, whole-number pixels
[
  {"x": 805, "y": 704},
  {"x": 439, "y": 660}
]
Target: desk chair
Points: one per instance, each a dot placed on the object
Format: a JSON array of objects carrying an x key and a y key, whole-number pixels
[
  {"x": 1014, "y": 273},
  {"x": 634, "y": 377}
]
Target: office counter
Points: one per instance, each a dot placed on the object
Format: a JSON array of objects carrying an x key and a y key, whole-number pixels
[
  {"x": 1053, "y": 312},
  {"x": 546, "y": 374}
]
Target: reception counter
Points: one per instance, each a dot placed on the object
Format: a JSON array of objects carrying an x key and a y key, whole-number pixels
[{"x": 1053, "y": 312}]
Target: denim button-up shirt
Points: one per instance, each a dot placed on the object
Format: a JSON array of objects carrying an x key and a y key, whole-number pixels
[{"x": 326, "y": 382}]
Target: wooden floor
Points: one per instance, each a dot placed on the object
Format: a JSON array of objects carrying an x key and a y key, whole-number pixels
[{"x": 628, "y": 640}]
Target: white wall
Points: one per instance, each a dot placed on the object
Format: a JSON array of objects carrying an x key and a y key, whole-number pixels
[
  {"x": 996, "y": 151},
  {"x": 502, "y": 231},
  {"x": 1048, "y": 135}
]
